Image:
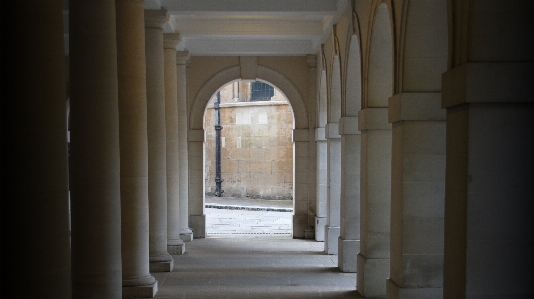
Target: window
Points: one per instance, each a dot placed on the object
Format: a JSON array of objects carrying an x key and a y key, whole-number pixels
[{"x": 261, "y": 91}]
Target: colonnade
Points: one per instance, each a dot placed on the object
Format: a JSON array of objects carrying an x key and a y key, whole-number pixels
[{"x": 123, "y": 175}]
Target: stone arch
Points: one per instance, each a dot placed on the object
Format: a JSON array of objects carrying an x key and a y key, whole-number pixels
[
  {"x": 353, "y": 99},
  {"x": 424, "y": 46},
  {"x": 380, "y": 69},
  {"x": 322, "y": 113},
  {"x": 196, "y": 116},
  {"x": 334, "y": 103},
  {"x": 196, "y": 143}
]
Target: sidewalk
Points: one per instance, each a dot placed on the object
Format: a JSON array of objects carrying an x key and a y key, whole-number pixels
[
  {"x": 247, "y": 203},
  {"x": 248, "y": 217}
]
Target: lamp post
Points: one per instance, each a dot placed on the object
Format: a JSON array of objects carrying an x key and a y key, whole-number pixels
[{"x": 218, "y": 180}]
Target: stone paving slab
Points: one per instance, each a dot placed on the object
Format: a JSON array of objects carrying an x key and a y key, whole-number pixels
[{"x": 266, "y": 267}]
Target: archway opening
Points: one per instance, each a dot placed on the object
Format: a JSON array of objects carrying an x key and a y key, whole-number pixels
[{"x": 255, "y": 197}]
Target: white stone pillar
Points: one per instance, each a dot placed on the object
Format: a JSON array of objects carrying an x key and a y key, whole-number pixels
[
  {"x": 300, "y": 182},
  {"x": 160, "y": 259},
  {"x": 334, "y": 188},
  {"x": 94, "y": 143},
  {"x": 196, "y": 182},
  {"x": 375, "y": 199},
  {"x": 36, "y": 258},
  {"x": 489, "y": 191},
  {"x": 417, "y": 196},
  {"x": 321, "y": 185},
  {"x": 349, "y": 238},
  {"x": 175, "y": 245},
  {"x": 136, "y": 278},
  {"x": 182, "y": 58}
]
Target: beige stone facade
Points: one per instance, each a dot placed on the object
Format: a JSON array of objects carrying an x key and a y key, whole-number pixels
[{"x": 256, "y": 145}]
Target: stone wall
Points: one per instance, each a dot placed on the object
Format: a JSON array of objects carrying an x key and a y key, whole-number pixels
[{"x": 256, "y": 145}]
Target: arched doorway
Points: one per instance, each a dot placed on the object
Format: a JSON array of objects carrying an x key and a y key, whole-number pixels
[{"x": 248, "y": 146}]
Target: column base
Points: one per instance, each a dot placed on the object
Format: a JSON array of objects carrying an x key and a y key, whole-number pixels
[
  {"x": 320, "y": 223},
  {"x": 198, "y": 226},
  {"x": 309, "y": 232},
  {"x": 371, "y": 276},
  {"x": 393, "y": 291},
  {"x": 331, "y": 236},
  {"x": 176, "y": 249},
  {"x": 300, "y": 222},
  {"x": 187, "y": 237},
  {"x": 348, "y": 254},
  {"x": 161, "y": 266},
  {"x": 148, "y": 291}
]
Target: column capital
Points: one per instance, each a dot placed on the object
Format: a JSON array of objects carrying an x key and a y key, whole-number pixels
[
  {"x": 170, "y": 40},
  {"x": 312, "y": 61},
  {"x": 156, "y": 18},
  {"x": 182, "y": 57},
  {"x": 415, "y": 106}
]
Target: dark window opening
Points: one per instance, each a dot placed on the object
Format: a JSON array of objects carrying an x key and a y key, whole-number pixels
[{"x": 261, "y": 91}]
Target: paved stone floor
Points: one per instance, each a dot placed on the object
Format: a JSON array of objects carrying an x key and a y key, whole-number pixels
[
  {"x": 262, "y": 267},
  {"x": 250, "y": 254}
]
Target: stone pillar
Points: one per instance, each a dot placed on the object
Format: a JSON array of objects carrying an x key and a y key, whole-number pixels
[
  {"x": 94, "y": 160},
  {"x": 136, "y": 278},
  {"x": 182, "y": 58},
  {"x": 349, "y": 238},
  {"x": 300, "y": 183},
  {"x": 488, "y": 189},
  {"x": 375, "y": 199},
  {"x": 160, "y": 259},
  {"x": 322, "y": 187},
  {"x": 36, "y": 258},
  {"x": 417, "y": 196},
  {"x": 334, "y": 187},
  {"x": 175, "y": 245},
  {"x": 197, "y": 218}
]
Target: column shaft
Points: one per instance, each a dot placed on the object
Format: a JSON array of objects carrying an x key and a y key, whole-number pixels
[
  {"x": 300, "y": 183},
  {"x": 489, "y": 173},
  {"x": 34, "y": 171},
  {"x": 349, "y": 238},
  {"x": 94, "y": 160},
  {"x": 196, "y": 182},
  {"x": 136, "y": 278},
  {"x": 375, "y": 199},
  {"x": 160, "y": 260},
  {"x": 334, "y": 188},
  {"x": 182, "y": 58},
  {"x": 417, "y": 196},
  {"x": 321, "y": 185},
  {"x": 175, "y": 245}
]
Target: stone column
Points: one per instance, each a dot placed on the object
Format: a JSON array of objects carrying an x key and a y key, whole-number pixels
[
  {"x": 300, "y": 183},
  {"x": 182, "y": 58},
  {"x": 136, "y": 278},
  {"x": 195, "y": 140},
  {"x": 36, "y": 258},
  {"x": 490, "y": 170},
  {"x": 375, "y": 199},
  {"x": 349, "y": 238},
  {"x": 417, "y": 196},
  {"x": 175, "y": 245},
  {"x": 94, "y": 160},
  {"x": 160, "y": 259},
  {"x": 334, "y": 187},
  {"x": 322, "y": 186}
]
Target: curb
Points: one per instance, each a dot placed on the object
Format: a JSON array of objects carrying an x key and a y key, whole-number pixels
[{"x": 248, "y": 208}]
